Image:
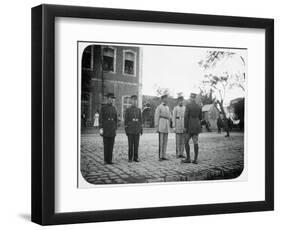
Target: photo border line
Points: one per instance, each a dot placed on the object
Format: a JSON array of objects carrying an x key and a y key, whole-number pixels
[
  {"x": 152, "y": 44},
  {"x": 78, "y": 109}
]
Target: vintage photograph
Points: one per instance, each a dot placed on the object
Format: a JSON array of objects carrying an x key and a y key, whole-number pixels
[{"x": 160, "y": 113}]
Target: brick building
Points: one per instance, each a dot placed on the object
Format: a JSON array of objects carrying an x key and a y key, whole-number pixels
[{"x": 106, "y": 69}]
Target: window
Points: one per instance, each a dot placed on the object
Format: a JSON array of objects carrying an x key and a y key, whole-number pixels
[
  {"x": 87, "y": 58},
  {"x": 125, "y": 104},
  {"x": 108, "y": 59},
  {"x": 129, "y": 62}
]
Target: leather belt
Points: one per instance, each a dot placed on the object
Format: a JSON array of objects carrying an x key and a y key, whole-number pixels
[{"x": 164, "y": 117}]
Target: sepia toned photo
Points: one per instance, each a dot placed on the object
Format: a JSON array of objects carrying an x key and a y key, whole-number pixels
[{"x": 160, "y": 113}]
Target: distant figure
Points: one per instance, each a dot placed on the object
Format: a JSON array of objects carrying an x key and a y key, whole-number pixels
[
  {"x": 192, "y": 125},
  {"x": 219, "y": 123},
  {"x": 162, "y": 125},
  {"x": 108, "y": 126},
  {"x": 178, "y": 125},
  {"x": 208, "y": 125},
  {"x": 226, "y": 126},
  {"x": 96, "y": 119},
  {"x": 84, "y": 119},
  {"x": 133, "y": 128},
  {"x": 230, "y": 124}
]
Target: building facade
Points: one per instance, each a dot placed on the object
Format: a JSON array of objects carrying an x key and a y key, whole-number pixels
[{"x": 115, "y": 69}]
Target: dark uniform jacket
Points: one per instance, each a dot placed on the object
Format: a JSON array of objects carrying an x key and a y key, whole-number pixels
[
  {"x": 219, "y": 122},
  {"x": 108, "y": 120},
  {"x": 133, "y": 120},
  {"x": 192, "y": 118}
]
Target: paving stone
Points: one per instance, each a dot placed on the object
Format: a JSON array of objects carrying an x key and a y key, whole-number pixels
[{"x": 219, "y": 158}]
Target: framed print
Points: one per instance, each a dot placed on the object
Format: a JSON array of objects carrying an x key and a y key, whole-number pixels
[{"x": 142, "y": 114}]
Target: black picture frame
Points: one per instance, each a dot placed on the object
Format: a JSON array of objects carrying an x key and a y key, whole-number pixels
[{"x": 43, "y": 114}]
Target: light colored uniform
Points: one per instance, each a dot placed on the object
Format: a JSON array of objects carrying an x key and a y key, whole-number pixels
[
  {"x": 162, "y": 124},
  {"x": 178, "y": 125}
]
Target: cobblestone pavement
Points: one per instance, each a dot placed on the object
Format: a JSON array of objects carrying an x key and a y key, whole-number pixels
[{"x": 219, "y": 158}]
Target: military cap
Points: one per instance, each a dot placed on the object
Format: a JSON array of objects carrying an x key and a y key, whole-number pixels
[
  {"x": 193, "y": 95},
  {"x": 164, "y": 96},
  {"x": 110, "y": 95},
  {"x": 180, "y": 97},
  {"x": 134, "y": 97}
]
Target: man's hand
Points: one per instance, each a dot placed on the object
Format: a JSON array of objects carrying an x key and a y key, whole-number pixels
[
  {"x": 156, "y": 127},
  {"x": 101, "y": 131},
  {"x": 126, "y": 127}
]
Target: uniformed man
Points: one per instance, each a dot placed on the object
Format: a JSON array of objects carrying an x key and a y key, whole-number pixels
[
  {"x": 219, "y": 123},
  {"x": 192, "y": 125},
  {"x": 133, "y": 128},
  {"x": 162, "y": 123},
  {"x": 178, "y": 125},
  {"x": 226, "y": 122},
  {"x": 108, "y": 126}
]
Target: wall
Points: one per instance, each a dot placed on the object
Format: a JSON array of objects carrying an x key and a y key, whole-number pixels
[
  {"x": 115, "y": 82},
  {"x": 118, "y": 75},
  {"x": 15, "y": 114},
  {"x": 122, "y": 84}
]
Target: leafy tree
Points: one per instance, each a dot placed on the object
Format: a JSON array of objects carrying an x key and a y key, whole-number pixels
[
  {"x": 207, "y": 96},
  {"x": 221, "y": 83},
  {"x": 161, "y": 91},
  {"x": 213, "y": 57}
]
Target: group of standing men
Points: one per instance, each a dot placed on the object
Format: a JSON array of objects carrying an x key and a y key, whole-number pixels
[
  {"x": 186, "y": 123},
  {"x": 108, "y": 120}
]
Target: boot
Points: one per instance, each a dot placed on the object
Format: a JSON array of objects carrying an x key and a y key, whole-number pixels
[
  {"x": 187, "y": 149},
  {"x": 227, "y": 134},
  {"x": 196, "y": 149}
]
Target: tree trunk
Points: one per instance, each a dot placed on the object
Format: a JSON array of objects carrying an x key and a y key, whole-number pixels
[{"x": 221, "y": 108}]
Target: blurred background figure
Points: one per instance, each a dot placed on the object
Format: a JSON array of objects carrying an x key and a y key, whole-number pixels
[
  {"x": 96, "y": 119},
  {"x": 219, "y": 123},
  {"x": 84, "y": 119},
  {"x": 227, "y": 126}
]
